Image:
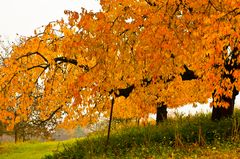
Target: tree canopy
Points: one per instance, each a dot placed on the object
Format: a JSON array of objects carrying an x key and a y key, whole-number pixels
[{"x": 148, "y": 52}]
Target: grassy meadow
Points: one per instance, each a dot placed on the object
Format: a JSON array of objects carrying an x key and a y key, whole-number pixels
[
  {"x": 30, "y": 150},
  {"x": 180, "y": 137}
]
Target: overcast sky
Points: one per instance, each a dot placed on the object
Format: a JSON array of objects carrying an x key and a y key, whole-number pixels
[{"x": 23, "y": 16}]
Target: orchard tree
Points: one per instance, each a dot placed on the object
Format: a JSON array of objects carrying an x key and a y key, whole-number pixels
[
  {"x": 32, "y": 76},
  {"x": 199, "y": 36},
  {"x": 213, "y": 42},
  {"x": 167, "y": 53},
  {"x": 161, "y": 50}
]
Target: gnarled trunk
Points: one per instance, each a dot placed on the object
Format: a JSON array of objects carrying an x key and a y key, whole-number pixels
[
  {"x": 220, "y": 112},
  {"x": 230, "y": 64},
  {"x": 161, "y": 113}
]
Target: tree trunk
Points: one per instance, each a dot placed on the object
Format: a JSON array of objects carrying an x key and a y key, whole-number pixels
[
  {"x": 220, "y": 112},
  {"x": 161, "y": 113},
  {"x": 138, "y": 121},
  {"x": 230, "y": 64},
  {"x": 15, "y": 134},
  {"x": 24, "y": 135}
]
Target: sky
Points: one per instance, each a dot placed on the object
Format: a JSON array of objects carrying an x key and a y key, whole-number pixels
[{"x": 24, "y": 16}]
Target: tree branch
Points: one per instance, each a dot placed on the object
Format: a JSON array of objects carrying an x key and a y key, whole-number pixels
[
  {"x": 64, "y": 59},
  {"x": 234, "y": 13},
  {"x": 34, "y": 53},
  {"x": 51, "y": 115},
  {"x": 125, "y": 92},
  {"x": 44, "y": 66},
  {"x": 153, "y": 4},
  {"x": 188, "y": 74},
  {"x": 59, "y": 60}
]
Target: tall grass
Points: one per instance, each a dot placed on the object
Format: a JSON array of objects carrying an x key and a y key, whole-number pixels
[{"x": 180, "y": 136}]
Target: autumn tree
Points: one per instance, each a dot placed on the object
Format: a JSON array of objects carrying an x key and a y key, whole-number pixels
[
  {"x": 201, "y": 36},
  {"x": 212, "y": 27},
  {"x": 167, "y": 53},
  {"x": 160, "y": 50},
  {"x": 104, "y": 54},
  {"x": 226, "y": 57},
  {"x": 24, "y": 87}
]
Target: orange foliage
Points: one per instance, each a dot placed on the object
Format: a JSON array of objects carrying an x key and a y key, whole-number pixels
[{"x": 71, "y": 69}]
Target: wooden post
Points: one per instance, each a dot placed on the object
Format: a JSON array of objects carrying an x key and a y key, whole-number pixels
[{"x": 110, "y": 120}]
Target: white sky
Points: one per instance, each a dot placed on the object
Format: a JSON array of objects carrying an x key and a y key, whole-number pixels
[{"x": 23, "y": 16}]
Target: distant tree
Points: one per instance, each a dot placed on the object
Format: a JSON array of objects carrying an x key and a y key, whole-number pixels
[
  {"x": 79, "y": 132},
  {"x": 2, "y": 128}
]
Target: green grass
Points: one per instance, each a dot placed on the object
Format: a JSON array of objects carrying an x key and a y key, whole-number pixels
[
  {"x": 30, "y": 150},
  {"x": 181, "y": 137}
]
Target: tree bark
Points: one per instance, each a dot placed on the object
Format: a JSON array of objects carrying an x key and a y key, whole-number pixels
[
  {"x": 161, "y": 113},
  {"x": 220, "y": 112},
  {"x": 230, "y": 64}
]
